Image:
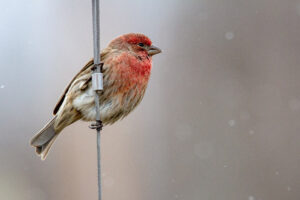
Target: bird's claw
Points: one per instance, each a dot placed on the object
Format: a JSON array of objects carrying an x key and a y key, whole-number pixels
[{"x": 96, "y": 125}]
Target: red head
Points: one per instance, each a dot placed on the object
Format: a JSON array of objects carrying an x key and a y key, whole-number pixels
[{"x": 135, "y": 42}]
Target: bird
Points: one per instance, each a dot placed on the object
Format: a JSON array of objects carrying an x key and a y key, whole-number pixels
[{"x": 127, "y": 63}]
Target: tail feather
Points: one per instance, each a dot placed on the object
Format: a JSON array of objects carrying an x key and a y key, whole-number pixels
[{"x": 43, "y": 140}]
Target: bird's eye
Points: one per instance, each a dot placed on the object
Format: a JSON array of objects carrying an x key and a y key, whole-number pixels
[{"x": 141, "y": 44}]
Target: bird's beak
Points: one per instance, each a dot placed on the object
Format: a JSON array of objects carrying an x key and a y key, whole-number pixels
[{"x": 153, "y": 50}]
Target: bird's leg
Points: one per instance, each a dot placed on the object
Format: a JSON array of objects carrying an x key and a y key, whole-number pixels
[{"x": 96, "y": 125}]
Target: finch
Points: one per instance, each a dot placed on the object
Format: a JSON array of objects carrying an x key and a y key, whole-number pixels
[{"x": 127, "y": 63}]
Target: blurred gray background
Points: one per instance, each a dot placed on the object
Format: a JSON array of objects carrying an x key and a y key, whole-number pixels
[{"x": 220, "y": 119}]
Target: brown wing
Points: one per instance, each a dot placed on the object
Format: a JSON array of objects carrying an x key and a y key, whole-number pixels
[{"x": 89, "y": 64}]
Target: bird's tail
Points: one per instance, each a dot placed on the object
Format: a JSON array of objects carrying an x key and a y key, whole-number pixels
[{"x": 43, "y": 140}]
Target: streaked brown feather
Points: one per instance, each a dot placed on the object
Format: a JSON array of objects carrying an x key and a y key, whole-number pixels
[{"x": 89, "y": 65}]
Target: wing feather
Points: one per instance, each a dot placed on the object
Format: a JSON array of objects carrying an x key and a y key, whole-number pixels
[{"x": 104, "y": 54}]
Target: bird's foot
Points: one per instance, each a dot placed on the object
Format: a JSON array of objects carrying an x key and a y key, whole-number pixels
[{"x": 96, "y": 125}]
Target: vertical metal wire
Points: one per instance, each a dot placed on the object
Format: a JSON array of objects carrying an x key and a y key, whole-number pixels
[
  {"x": 96, "y": 32},
  {"x": 98, "y": 165},
  {"x": 97, "y": 60}
]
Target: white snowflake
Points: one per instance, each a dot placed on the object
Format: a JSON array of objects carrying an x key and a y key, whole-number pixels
[
  {"x": 251, "y": 132},
  {"x": 2, "y": 86},
  {"x": 231, "y": 123},
  {"x": 229, "y": 35},
  {"x": 251, "y": 198}
]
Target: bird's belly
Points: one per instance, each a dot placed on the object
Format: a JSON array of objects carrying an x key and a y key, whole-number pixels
[
  {"x": 89, "y": 112},
  {"x": 85, "y": 103}
]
